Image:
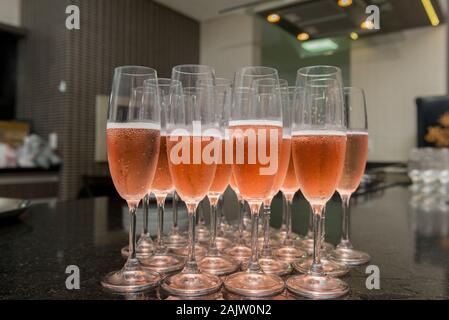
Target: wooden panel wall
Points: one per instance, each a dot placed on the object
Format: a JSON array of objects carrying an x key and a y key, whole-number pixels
[{"x": 113, "y": 33}]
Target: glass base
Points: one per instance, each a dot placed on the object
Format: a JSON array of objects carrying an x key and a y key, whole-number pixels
[
  {"x": 132, "y": 278},
  {"x": 350, "y": 257},
  {"x": 175, "y": 240},
  {"x": 212, "y": 296},
  {"x": 144, "y": 247},
  {"x": 246, "y": 234},
  {"x": 330, "y": 267},
  {"x": 200, "y": 251},
  {"x": 307, "y": 244},
  {"x": 202, "y": 234},
  {"x": 290, "y": 254},
  {"x": 273, "y": 242},
  {"x": 317, "y": 287},
  {"x": 226, "y": 227},
  {"x": 219, "y": 265},
  {"x": 251, "y": 284},
  {"x": 141, "y": 252},
  {"x": 223, "y": 243},
  {"x": 239, "y": 252},
  {"x": 280, "y": 235},
  {"x": 163, "y": 263},
  {"x": 188, "y": 284},
  {"x": 271, "y": 265},
  {"x": 247, "y": 222}
]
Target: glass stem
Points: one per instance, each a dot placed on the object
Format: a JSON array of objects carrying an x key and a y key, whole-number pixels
[
  {"x": 220, "y": 218},
  {"x": 132, "y": 264},
  {"x": 266, "y": 249},
  {"x": 288, "y": 241},
  {"x": 310, "y": 226},
  {"x": 323, "y": 227},
  {"x": 345, "y": 241},
  {"x": 254, "y": 262},
  {"x": 191, "y": 265},
  {"x": 160, "y": 223},
  {"x": 200, "y": 217},
  {"x": 213, "y": 251},
  {"x": 175, "y": 212},
  {"x": 241, "y": 224},
  {"x": 146, "y": 206},
  {"x": 317, "y": 268},
  {"x": 284, "y": 212},
  {"x": 132, "y": 233}
]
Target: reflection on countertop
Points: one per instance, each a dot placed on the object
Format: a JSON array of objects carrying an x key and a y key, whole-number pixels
[{"x": 404, "y": 230}]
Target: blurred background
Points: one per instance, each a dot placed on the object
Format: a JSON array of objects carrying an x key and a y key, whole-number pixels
[{"x": 55, "y": 82}]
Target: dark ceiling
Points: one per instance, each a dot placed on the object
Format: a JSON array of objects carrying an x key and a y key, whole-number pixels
[{"x": 324, "y": 18}]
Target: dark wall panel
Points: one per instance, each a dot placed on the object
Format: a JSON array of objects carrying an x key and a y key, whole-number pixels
[{"x": 113, "y": 33}]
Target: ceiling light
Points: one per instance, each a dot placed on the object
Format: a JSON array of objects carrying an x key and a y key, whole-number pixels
[
  {"x": 430, "y": 10},
  {"x": 354, "y": 35},
  {"x": 344, "y": 3},
  {"x": 322, "y": 45},
  {"x": 303, "y": 36},
  {"x": 273, "y": 18}
]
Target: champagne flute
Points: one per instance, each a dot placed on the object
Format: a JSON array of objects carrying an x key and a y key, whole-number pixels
[
  {"x": 202, "y": 232},
  {"x": 288, "y": 251},
  {"x": 240, "y": 251},
  {"x": 268, "y": 262},
  {"x": 175, "y": 239},
  {"x": 331, "y": 267},
  {"x": 193, "y": 138},
  {"x": 355, "y": 162},
  {"x": 243, "y": 219},
  {"x": 216, "y": 262},
  {"x": 307, "y": 242},
  {"x": 225, "y": 233},
  {"x": 224, "y": 228},
  {"x": 161, "y": 260},
  {"x": 145, "y": 245},
  {"x": 133, "y": 138},
  {"x": 256, "y": 130},
  {"x": 282, "y": 231},
  {"x": 318, "y": 147}
]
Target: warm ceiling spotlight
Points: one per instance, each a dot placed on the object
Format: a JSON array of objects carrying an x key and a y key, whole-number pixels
[
  {"x": 354, "y": 35},
  {"x": 344, "y": 3},
  {"x": 431, "y": 13},
  {"x": 303, "y": 36},
  {"x": 273, "y": 18},
  {"x": 367, "y": 24}
]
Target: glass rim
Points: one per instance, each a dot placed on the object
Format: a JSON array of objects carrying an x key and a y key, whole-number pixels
[
  {"x": 208, "y": 69},
  {"x": 163, "y": 82},
  {"x": 301, "y": 71},
  {"x": 293, "y": 89},
  {"x": 281, "y": 83},
  {"x": 321, "y": 82},
  {"x": 285, "y": 83},
  {"x": 241, "y": 70},
  {"x": 355, "y": 89},
  {"x": 219, "y": 82},
  {"x": 122, "y": 70},
  {"x": 242, "y": 89}
]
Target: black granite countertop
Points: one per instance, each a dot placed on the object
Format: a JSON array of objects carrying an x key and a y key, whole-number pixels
[{"x": 405, "y": 231}]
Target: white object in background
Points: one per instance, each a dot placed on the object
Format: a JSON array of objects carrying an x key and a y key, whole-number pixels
[
  {"x": 36, "y": 152},
  {"x": 53, "y": 141},
  {"x": 62, "y": 86},
  {"x": 8, "y": 158},
  {"x": 101, "y": 115},
  {"x": 25, "y": 156}
]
